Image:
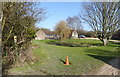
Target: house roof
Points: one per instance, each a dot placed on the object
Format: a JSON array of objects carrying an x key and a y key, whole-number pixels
[{"x": 47, "y": 32}]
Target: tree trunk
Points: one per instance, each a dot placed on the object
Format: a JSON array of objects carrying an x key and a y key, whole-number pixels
[{"x": 105, "y": 41}]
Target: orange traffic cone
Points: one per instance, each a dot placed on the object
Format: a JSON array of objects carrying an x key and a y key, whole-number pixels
[{"x": 67, "y": 61}]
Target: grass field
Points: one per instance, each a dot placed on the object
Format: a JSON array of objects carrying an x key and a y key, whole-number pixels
[{"x": 51, "y": 58}]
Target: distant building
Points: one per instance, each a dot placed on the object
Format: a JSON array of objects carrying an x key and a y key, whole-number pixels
[
  {"x": 74, "y": 34},
  {"x": 41, "y": 35}
]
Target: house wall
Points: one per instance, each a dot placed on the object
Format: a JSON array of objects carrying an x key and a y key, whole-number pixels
[
  {"x": 74, "y": 34},
  {"x": 40, "y": 35}
]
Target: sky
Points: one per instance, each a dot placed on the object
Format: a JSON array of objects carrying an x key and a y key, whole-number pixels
[{"x": 57, "y": 11}]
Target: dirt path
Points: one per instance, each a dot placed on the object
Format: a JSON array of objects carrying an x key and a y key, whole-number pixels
[
  {"x": 111, "y": 68},
  {"x": 115, "y": 41}
]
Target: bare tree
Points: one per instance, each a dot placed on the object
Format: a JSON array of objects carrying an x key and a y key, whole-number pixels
[
  {"x": 103, "y": 18},
  {"x": 74, "y": 23}
]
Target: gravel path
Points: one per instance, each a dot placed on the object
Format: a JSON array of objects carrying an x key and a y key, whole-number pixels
[
  {"x": 109, "y": 69},
  {"x": 112, "y": 68}
]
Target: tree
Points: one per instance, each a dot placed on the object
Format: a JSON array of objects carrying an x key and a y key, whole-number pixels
[
  {"x": 103, "y": 18},
  {"x": 116, "y": 35},
  {"x": 81, "y": 32},
  {"x": 74, "y": 23},
  {"x": 45, "y": 29},
  {"x": 19, "y": 20},
  {"x": 90, "y": 34},
  {"x": 62, "y": 29}
]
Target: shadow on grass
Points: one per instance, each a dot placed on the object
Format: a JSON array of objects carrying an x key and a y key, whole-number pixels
[
  {"x": 112, "y": 44},
  {"x": 107, "y": 56},
  {"x": 97, "y": 44},
  {"x": 102, "y": 52},
  {"x": 107, "y": 59},
  {"x": 64, "y": 61}
]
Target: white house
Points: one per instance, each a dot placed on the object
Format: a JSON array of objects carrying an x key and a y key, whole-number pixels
[{"x": 74, "y": 34}]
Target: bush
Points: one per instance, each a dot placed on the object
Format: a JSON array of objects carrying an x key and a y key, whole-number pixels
[
  {"x": 86, "y": 33},
  {"x": 19, "y": 20},
  {"x": 90, "y": 34}
]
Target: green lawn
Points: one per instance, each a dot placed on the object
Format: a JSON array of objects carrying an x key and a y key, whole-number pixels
[{"x": 83, "y": 59}]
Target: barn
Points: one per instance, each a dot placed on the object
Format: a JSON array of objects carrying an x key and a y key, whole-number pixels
[{"x": 40, "y": 35}]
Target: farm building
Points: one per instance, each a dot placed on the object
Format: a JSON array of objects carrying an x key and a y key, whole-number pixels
[{"x": 41, "y": 35}]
